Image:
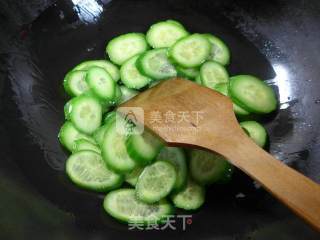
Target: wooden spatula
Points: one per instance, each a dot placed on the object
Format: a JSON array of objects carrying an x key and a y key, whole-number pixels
[{"x": 183, "y": 113}]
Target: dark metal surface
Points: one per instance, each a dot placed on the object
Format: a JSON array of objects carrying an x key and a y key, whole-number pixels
[{"x": 274, "y": 40}]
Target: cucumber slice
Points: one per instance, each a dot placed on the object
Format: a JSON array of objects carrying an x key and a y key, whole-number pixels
[
  {"x": 124, "y": 47},
  {"x": 190, "y": 198},
  {"x": 207, "y": 168},
  {"x": 109, "y": 118},
  {"x": 127, "y": 93},
  {"x": 86, "y": 113},
  {"x": 155, "y": 64},
  {"x": 198, "y": 80},
  {"x": 123, "y": 205},
  {"x": 213, "y": 73},
  {"x": 154, "y": 83},
  {"x": 130, "y": 75},
  {"x": 256, "y": 132},
  {"x": 67, "y": 110},
  {"x": 189, "y": 73},
  {"x": 101, "y": 83},
  {"x": 83, "y": 144},
  {"x": 155, "y": 182},
  {"x": 118, "y": 96},
  {"x": 98, "y": 135},
  {"x": 165, "y": 34},
  {"x": 132, "y": 178},
  {"x": 219, "y": 51},
  {"x": 252, "y": 94},
  {"x": 223, "y": 89},
  {"x": 143, "y": 148},
  {"x": 177, "y": 158},
  {"x": 74, "y": 83},
  {"x": 105, "y": 64},
  {"x": 87, "y": 170},
  {"x": 179, "y": 24},
  {"x": 69, "y": 134},
  {"x": 190, "y": 51},
  {"x": 114, "y": 151}
]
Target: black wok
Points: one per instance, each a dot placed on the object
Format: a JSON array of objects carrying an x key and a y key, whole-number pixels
[{"x": 40, "y": 40}]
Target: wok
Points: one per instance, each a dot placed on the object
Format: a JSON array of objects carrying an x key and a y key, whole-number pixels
[{"x": 40, "y": 41}]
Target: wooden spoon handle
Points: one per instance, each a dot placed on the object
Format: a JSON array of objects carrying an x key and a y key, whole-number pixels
[{"x": 298, "y": 192}]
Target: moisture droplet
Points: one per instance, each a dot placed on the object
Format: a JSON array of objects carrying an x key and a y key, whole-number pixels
[{"x": 317, "y": 101}]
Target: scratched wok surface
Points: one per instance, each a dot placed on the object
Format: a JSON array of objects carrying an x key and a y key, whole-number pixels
[{"x": 41, "y": 40}]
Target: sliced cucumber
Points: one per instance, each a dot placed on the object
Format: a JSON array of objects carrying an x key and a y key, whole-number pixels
[
  {"x": 127, "y": 94},
  {"x": 156, "y": 182},
  {"x": 190, "y": 51},
  {"x": 252, "y": 94},
  {"x": 190, "y": 198},
  {"x": 123, "y": 205},
  {"x": 69, "y": 134},
  {"x": 256, "y": 132},
  {"x": 105, "y": 64},
  {"x": 74, "y": 83},
  {"x": 124, "y": 47},
  {"x": 219, "y": 51},
  {"x": 177, "y": 158},
  {"x": 207, "y": 168},
  {"x": 101, "y": 83},
  {"x": 67, "y": 110},
  {"x": 83, "y": 144},
  {"x": 118, "y": 96},
  {"x": 143, "y": 148},
  {"x": 165, "y": 34},
  {"x": 98, "y": 135},
  {"x": 223, "y": 89},
  {"x": 87, "y": 170},
  {"x": 132, "y": 177},
  {"x": 109, "y": 118},
  {"x": 213, "y": 73},
  {"x": 155, "y": 64},
  {"x": 86, "y": 113},
  {"x": 130, "y": 75},
  {"x": 114, "y": 150},
  {"x": 179, "y": 24},
  {"x": 189, "y": 73},
  {"x": 198, "y": 80}
]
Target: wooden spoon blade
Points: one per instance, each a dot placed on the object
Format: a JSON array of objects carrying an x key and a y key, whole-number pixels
[{"x": 182, "y": 112}]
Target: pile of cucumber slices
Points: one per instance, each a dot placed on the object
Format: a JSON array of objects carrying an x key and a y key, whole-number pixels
[{"x": 142, "y": 178}]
